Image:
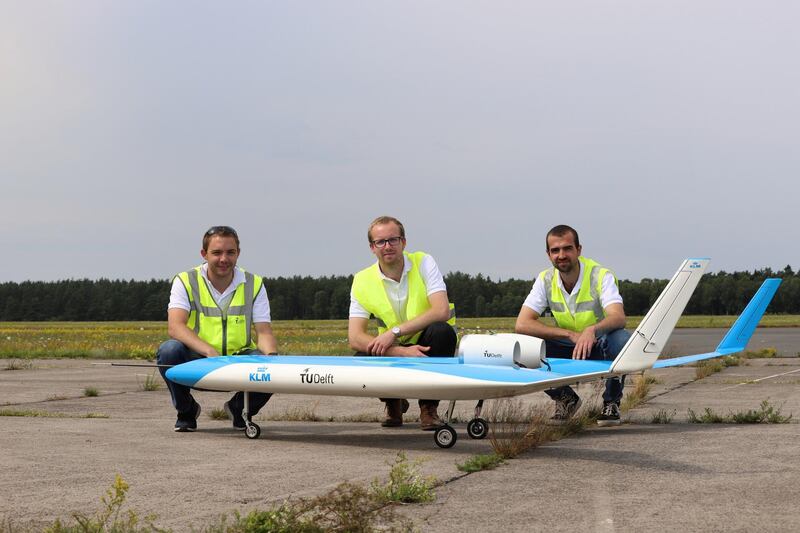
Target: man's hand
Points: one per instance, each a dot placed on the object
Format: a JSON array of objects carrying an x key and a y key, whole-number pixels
[
  {"x": 584, "y": 342},
  {"x": 381, "y": 343},
  {"x": 414, "y": 350},
  {"x": 210, "y": 352}
]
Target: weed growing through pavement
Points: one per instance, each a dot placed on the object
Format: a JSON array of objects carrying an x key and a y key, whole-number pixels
[
  {"x": 19, "y": 364},
  {"x": 109, "y": 518},
  {"x": 91, "y": 391},
  {"x": 765, "y": 414},
  {"x": 712, "y": 366},
  {"x": 476, "y": 463},
  {"x": 46, "y": 414},
  {"x": 299, "y": 413},
  {"x": 638, "y": 394},
  {"x": 150, "y": 382},
  {"x": 663, "y": 417},
  {"x": 405, "y": 483},
  {"x": 348, "y": 507},
  {"x": 218, "y": 413}
]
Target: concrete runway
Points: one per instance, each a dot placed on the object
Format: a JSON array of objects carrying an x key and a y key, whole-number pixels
[{"x": 639, "y": 476}]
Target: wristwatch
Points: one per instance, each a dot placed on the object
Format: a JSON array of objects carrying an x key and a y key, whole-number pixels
[{"x": 396, "y": 331}]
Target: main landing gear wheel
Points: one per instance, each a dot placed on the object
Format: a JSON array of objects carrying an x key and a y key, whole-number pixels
[
  {"x": 252, "y": 431},
  {"x": 478, "y": 428},
  {"x": 445, "y": 437}
]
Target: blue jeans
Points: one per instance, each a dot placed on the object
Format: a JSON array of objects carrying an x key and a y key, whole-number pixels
[
  {"x": 607, "y": 347},
  {"x": 174, "y": 352}
]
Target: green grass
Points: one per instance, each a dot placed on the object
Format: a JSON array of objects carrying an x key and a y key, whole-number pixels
[
  {"x": 90, "y": 392},
  {"x": 405, "y": 483},
  {"x": 476, "y": 463},
  {"x": 663, "y": 417},
  {"x": 151, "y": 382},
  {"x": 139, "y": 340},
  {"x": 765, "y": 414}
]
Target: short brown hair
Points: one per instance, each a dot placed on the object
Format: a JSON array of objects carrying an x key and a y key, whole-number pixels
[
  {"x": 385, "y": 220},
  {"x": 221, "y": 231},
  {"x": 560, "y": 231}
]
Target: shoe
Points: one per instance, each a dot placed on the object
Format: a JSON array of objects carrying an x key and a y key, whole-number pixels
[
  {"x": 610, "y": 415},
  {"x": 566, "y": 409},
  {"x": 428, "y": 417},
  {"x": 394, "y": 413},
  {"x": 188, "y": 421},
  {"x": 236, "y": 417}
]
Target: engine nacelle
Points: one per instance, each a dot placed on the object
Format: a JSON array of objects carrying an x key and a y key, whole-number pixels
[{"x": 503, "y": 349}]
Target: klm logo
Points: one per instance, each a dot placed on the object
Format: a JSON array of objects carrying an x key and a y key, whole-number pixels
[
  {"x": 695, "y": 265},
  {"x": 259, "y": 376},
  {"x": 487, "y": 353}
]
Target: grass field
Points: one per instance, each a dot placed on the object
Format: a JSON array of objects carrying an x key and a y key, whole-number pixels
[{"x": 108, "y": 340}]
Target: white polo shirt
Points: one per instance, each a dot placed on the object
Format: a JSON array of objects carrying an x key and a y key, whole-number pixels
[
  {"x": 179, "y": 298},
  {"x": 397, "y": 291},
  {"x": 537, "y": 299}
]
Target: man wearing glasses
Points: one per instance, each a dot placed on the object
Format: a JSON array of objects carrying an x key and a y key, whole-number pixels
[
  {"x": 406, "y": 294},
  {"x": 211, "y": 310},
  {"x": 587, "y": 307}
]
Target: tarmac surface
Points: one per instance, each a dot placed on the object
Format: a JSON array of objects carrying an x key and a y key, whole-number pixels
[{"x": 639, "y": 476}]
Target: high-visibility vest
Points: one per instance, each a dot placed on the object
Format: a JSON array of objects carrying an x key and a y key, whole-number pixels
[
  {"x": 370, "y": 292},
  {"x": 580, "y": 311},
  {"x": 229, "y": 333}
]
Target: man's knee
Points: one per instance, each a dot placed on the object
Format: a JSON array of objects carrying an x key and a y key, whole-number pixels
[
  {"x": 441, "y": 337},
  {"x": 172, "y": 352},
  {"x": 613, "y": 341}
]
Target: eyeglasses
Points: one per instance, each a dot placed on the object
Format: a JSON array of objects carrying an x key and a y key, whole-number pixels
[
  {"x": 393, "y": 241},
  {"x": 221, "y": 230}
]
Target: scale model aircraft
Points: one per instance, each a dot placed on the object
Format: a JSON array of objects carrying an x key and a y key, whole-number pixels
[{"x": 493, "y": 366}]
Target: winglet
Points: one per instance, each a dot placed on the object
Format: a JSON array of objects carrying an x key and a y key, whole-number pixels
[
  {"x": 739, "y": 335},
  {"x": 647, "y": 342}
]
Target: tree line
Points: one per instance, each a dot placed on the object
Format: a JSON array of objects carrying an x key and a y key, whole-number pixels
[{"x": 298, "y": 297}]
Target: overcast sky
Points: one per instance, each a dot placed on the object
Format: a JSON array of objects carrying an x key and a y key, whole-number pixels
[{"x": 660, "y": 130}]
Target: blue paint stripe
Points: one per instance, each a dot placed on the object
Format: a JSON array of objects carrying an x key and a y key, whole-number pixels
[{"x": 192, "y": 372}]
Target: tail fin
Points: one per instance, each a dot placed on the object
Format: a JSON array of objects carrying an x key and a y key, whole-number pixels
[
  {"x": 649, "y": 339},
  {"x": 739, "y": 335}
]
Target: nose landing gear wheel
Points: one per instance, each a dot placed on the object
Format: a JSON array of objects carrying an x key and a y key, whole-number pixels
[
  {"x": 445, "y": 437},
  {"x": 478, "y": 428},
  {"x": 252, "y": 431}
]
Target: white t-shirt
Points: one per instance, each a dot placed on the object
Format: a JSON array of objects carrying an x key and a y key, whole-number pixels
[
  {"x": 537, "y": 299},
  {"x": 397, "y": 291},
  {"x": 179, "y": 299}
]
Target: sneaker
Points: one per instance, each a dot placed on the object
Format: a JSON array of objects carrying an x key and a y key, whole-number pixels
[
  {"x": 188, "y": 421},
  {"x": 610, "y": 415},
  {"x": 565, "y": 409},
  {"x": 394, "y": 413},
  {"x": 236, "y": 416}
]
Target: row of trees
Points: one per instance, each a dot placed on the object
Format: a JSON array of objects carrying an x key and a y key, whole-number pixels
[{"x": 329, "y": 297}]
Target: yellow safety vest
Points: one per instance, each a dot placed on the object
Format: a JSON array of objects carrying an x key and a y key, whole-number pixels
[
  {"x": 368, "y": 289},
  {"x": 583, "y": 310},
  {"x": 229, "y": 333}
]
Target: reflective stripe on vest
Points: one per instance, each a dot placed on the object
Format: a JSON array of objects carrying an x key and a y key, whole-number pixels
[
  {"x": 228, "y": 332},
  {"x": 369, "y": 291},
  {"x": 581, "y": 310}
]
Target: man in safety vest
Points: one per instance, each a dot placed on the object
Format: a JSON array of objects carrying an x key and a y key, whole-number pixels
[
  {"x": 585, "y": 302},
  {"x": 211, "y": 310},
  {"x": 406, "y": 294}
]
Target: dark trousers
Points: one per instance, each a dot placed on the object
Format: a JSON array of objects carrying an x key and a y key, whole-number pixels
[
  {"x": 174, "y": 352},
  {"x": 607, "y": 347},
  {"x": 442, "y": 340}
]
